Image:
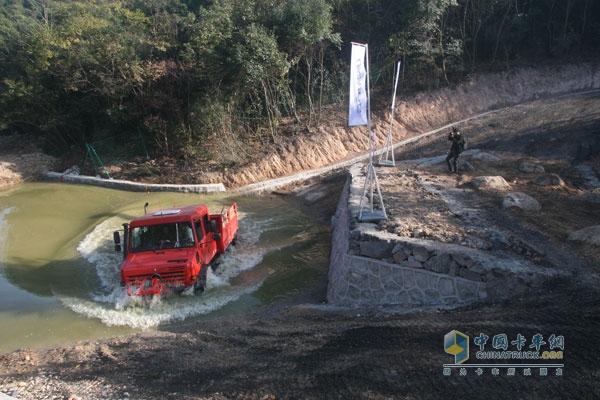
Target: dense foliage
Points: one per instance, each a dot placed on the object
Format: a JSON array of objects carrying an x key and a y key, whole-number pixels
[{"x": 190, "y": 78}]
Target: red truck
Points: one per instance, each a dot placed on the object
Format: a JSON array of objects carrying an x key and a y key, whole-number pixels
[{"x": 174, "y": 247}]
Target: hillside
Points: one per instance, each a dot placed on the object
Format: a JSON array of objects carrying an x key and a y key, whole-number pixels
[
  {"x": 334, "y": 141},
  {"x": 296, "y": 150}
]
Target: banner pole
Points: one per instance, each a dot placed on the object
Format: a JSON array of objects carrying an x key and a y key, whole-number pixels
[
  {"x": 387, "y": 150},
  {"x": 371, "y": 182},
  {"x": 369, "y": 104}
]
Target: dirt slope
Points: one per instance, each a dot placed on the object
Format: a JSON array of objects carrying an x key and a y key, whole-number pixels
[
  {"x": 21, "y": 160},
  {"x": 296, "y": 150},
  {"x": 415, "y": 113}
]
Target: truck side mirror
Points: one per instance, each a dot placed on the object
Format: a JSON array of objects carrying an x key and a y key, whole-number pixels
[{"x": 117, "y": 240}]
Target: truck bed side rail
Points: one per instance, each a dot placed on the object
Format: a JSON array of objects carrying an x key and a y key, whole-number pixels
[{"x": 227, "y": 225}]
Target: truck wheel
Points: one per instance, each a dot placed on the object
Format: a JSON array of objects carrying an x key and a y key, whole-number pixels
[
  {"x": 200, "y": 284},
  {"x": 214, "y": 264},
  {"x": 198, "y": 288}
]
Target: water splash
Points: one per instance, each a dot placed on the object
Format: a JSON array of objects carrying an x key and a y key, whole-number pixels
[
  {"x": 146, "y": 314},
  {"x": 111, "y": 304}
]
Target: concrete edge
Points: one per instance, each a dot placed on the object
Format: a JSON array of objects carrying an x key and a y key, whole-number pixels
[{"x": 132, "y": 186}]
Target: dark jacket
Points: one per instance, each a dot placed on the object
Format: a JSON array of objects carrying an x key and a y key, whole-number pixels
[{"x": 458, "y": 143}]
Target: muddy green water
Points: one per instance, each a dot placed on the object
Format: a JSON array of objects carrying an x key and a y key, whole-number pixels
[{"x": 59, "y": 274}]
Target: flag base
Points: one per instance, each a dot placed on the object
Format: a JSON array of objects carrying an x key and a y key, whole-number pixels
[
  {"x": 386, "y": 163},
  {"x": 371, "y": 215}
]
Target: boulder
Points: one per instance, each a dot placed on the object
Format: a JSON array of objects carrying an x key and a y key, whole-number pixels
[
  {"x": 485, "y": 157},
  {"x": 531, "y": 168},
  {"x": 490, "y": 182},
  {"x": 590, "y": 235},
  {"x": 549, "y": 180},
  {"x": 522, "y": 201},
  {"x": 464, "y": 165}
]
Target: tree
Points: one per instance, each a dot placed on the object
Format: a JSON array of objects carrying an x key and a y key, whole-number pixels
[
  {"x": 430, "y": 40},
  {"x": 263, "y": 72},
  {"x": 304, "y": 31},
  {"x": 229, "y": 70}
]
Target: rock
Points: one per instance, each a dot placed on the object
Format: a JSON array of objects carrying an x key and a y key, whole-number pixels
[
  {"x": 499, "y": 241},
  {"x": 464, "y": 165},
  {"x": 462, "y": 260},
  {"x": 399, "y": 256},
  {"x": 397, "y": 248},
  {"x": 378, "y": 250},
  {"x": 420, "y": 253},
  {"x": 522, "y": 201},
  {"x": 453, "y": 268},
  {"x": 439, "y": 263},
  {"x": 478, "y": 269},
  {"x": 73, "y": 170},
  {"x": 419, "y": 233},
  {"x": 590, "y": 235},
  {"x": 490, "y": 182},
  {"x": 549, "y": 180},
  {"x": 470, "y": 275},
  {"x": 531, "y": 168},
  {"x": 486, "y": 157}
]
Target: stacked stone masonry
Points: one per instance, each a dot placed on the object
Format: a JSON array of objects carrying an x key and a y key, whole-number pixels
[{"x": 373, "y": 268}]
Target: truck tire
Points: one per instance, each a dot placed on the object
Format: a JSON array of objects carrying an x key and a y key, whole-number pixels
[
  {"x": 214, "y": 264},
  {"x": 200, "y": 284}
]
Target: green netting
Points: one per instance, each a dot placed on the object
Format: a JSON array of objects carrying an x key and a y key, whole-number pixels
[{"x": 119, "y": 148}]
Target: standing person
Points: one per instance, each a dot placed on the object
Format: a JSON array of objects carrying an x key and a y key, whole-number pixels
[{"x": 457, "y": 147}]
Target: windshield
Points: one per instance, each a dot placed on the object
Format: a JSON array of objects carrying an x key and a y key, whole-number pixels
[{"x": 164, "y": 236}]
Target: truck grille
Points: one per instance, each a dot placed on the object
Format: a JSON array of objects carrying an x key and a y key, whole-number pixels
[{"x": 173, "y": 273}]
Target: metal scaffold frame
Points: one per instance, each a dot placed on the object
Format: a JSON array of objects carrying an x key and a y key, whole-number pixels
[
  {"x": 386, "y": 157},
  {"x": 368, "y": 212}
]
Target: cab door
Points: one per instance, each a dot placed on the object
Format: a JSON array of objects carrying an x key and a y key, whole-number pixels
[{"x": 207, "y": 247}]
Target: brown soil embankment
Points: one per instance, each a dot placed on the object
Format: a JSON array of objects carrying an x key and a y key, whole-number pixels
[{"x": 334, "y": 141}]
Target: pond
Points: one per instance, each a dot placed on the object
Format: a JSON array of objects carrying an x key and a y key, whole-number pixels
[{"x": 59, "y": 273}]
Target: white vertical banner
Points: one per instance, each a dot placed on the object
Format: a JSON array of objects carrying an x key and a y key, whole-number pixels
[{"x": 357, "y": 114}]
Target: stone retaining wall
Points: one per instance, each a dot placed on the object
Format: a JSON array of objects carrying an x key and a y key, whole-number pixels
[{"x": 370, "y": 267}]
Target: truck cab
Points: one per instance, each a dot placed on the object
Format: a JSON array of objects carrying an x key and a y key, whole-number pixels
[{"x": 173, "y": 247}]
